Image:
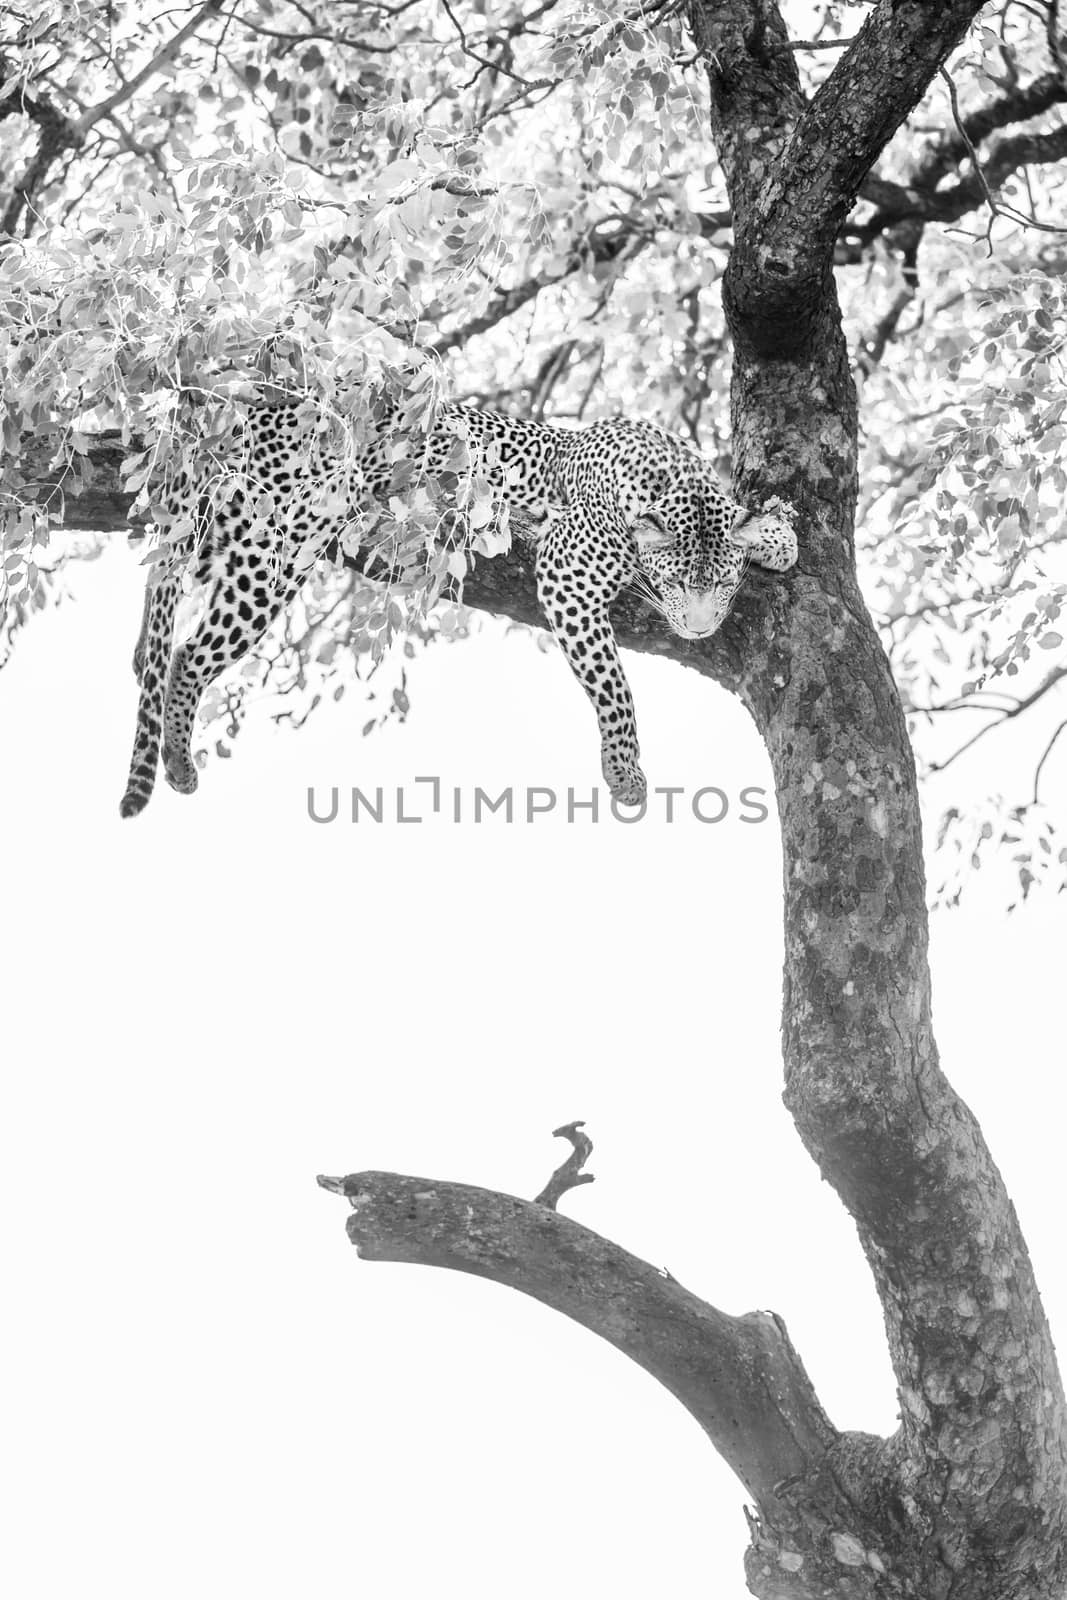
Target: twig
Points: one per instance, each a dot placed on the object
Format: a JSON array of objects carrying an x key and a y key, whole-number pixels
[
  {"x": 817, "y": 44},
  {"x": 486, "y": 61},
  {"x": 1047, "y": 683},
  {"x": 1044, "y": 758},
  {"x": 570, "y": 1174},
  {"x": 994, "y": 208},
  {"x": 304, "y": 38}
]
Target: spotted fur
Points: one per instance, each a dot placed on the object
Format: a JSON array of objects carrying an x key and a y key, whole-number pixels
[{"x": 620, "y": 502}]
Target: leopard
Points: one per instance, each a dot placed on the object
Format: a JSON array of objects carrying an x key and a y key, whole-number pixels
[{"x": 618, "y": 502}]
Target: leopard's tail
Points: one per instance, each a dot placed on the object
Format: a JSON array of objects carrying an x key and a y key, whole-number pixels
[{"x": 154, "y": 664}]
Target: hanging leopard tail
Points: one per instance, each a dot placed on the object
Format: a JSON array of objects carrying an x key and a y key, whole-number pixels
[{"x": 151, "y": 663}]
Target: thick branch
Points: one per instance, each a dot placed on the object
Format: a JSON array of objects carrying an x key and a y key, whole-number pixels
[
  {"x": 739, "y": 1377},
  {"x": 793, "y": 172},
  {"x": 1018, "y": 104},
  {"x": 921, "y": 199},
  {"x": 969, "y": 193},
  {"x": 57, "y": 134},
  {"x": 96, "y": 502},
  {"x": 981, "y": 1402},
  {"x": 855, "y": 113}
]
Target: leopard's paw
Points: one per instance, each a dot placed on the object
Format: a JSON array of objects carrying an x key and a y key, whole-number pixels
[
  {"x": 136, "y": 797},
  {"x": 625, "y": 779},
  {"x": 769, "y": 536},
  {"x": 179, "y": 771},
  {"x": 633, "y": 792}
]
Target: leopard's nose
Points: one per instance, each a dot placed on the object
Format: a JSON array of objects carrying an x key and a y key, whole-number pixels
[{"x": 702, "y": 615}]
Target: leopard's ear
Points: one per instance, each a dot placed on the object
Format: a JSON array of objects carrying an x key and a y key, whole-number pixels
[{"x": 649, "y": 531}]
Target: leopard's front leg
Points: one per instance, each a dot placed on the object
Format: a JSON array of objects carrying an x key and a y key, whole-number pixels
[{"x": 579, "y": 574}]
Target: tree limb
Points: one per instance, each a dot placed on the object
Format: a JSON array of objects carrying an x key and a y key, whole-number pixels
[
  {"x": 792, "y": 196},
  {"x": 739, "y": 1377},
  {"x": 57, "y": 133},
  {"x": 1018, "y": 104},
  {"x": 956, "y": 200}
]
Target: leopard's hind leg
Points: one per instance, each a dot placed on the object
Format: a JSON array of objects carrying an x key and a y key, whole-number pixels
[
  {"x": 241, "y": 606},
  {"x": 243, "y": 603},
  {"x": 142, "y": 638},
  {"x": 151, "y": 661}
]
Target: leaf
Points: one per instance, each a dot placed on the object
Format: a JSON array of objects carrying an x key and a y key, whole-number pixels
[{"x": 395, "y": 176}]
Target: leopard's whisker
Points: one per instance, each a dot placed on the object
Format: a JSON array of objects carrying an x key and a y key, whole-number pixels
[{"x": 648, "y": 594}]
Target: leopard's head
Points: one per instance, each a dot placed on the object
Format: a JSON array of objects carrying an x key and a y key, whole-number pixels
[{"x": 689, "y": 562}]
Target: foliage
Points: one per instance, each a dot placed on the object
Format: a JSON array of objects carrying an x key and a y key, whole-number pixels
[{"x": 371, "y": 205}]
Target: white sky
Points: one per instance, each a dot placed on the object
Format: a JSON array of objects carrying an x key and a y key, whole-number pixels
[{"x": 209, "y": 1005}]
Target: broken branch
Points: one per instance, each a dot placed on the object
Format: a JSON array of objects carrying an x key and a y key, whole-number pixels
[{"x": 569, "y": 1175}]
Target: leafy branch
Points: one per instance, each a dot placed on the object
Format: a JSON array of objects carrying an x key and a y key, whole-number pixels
[{"x": 60, "y": 133}]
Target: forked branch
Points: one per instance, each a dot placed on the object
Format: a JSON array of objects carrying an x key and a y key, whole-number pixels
[
  {"x": 569, "y": 1174},
  {"x": 789, "y": 203}
]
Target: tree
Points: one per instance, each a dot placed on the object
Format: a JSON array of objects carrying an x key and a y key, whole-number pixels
[{"x": 442, "y": 213}]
